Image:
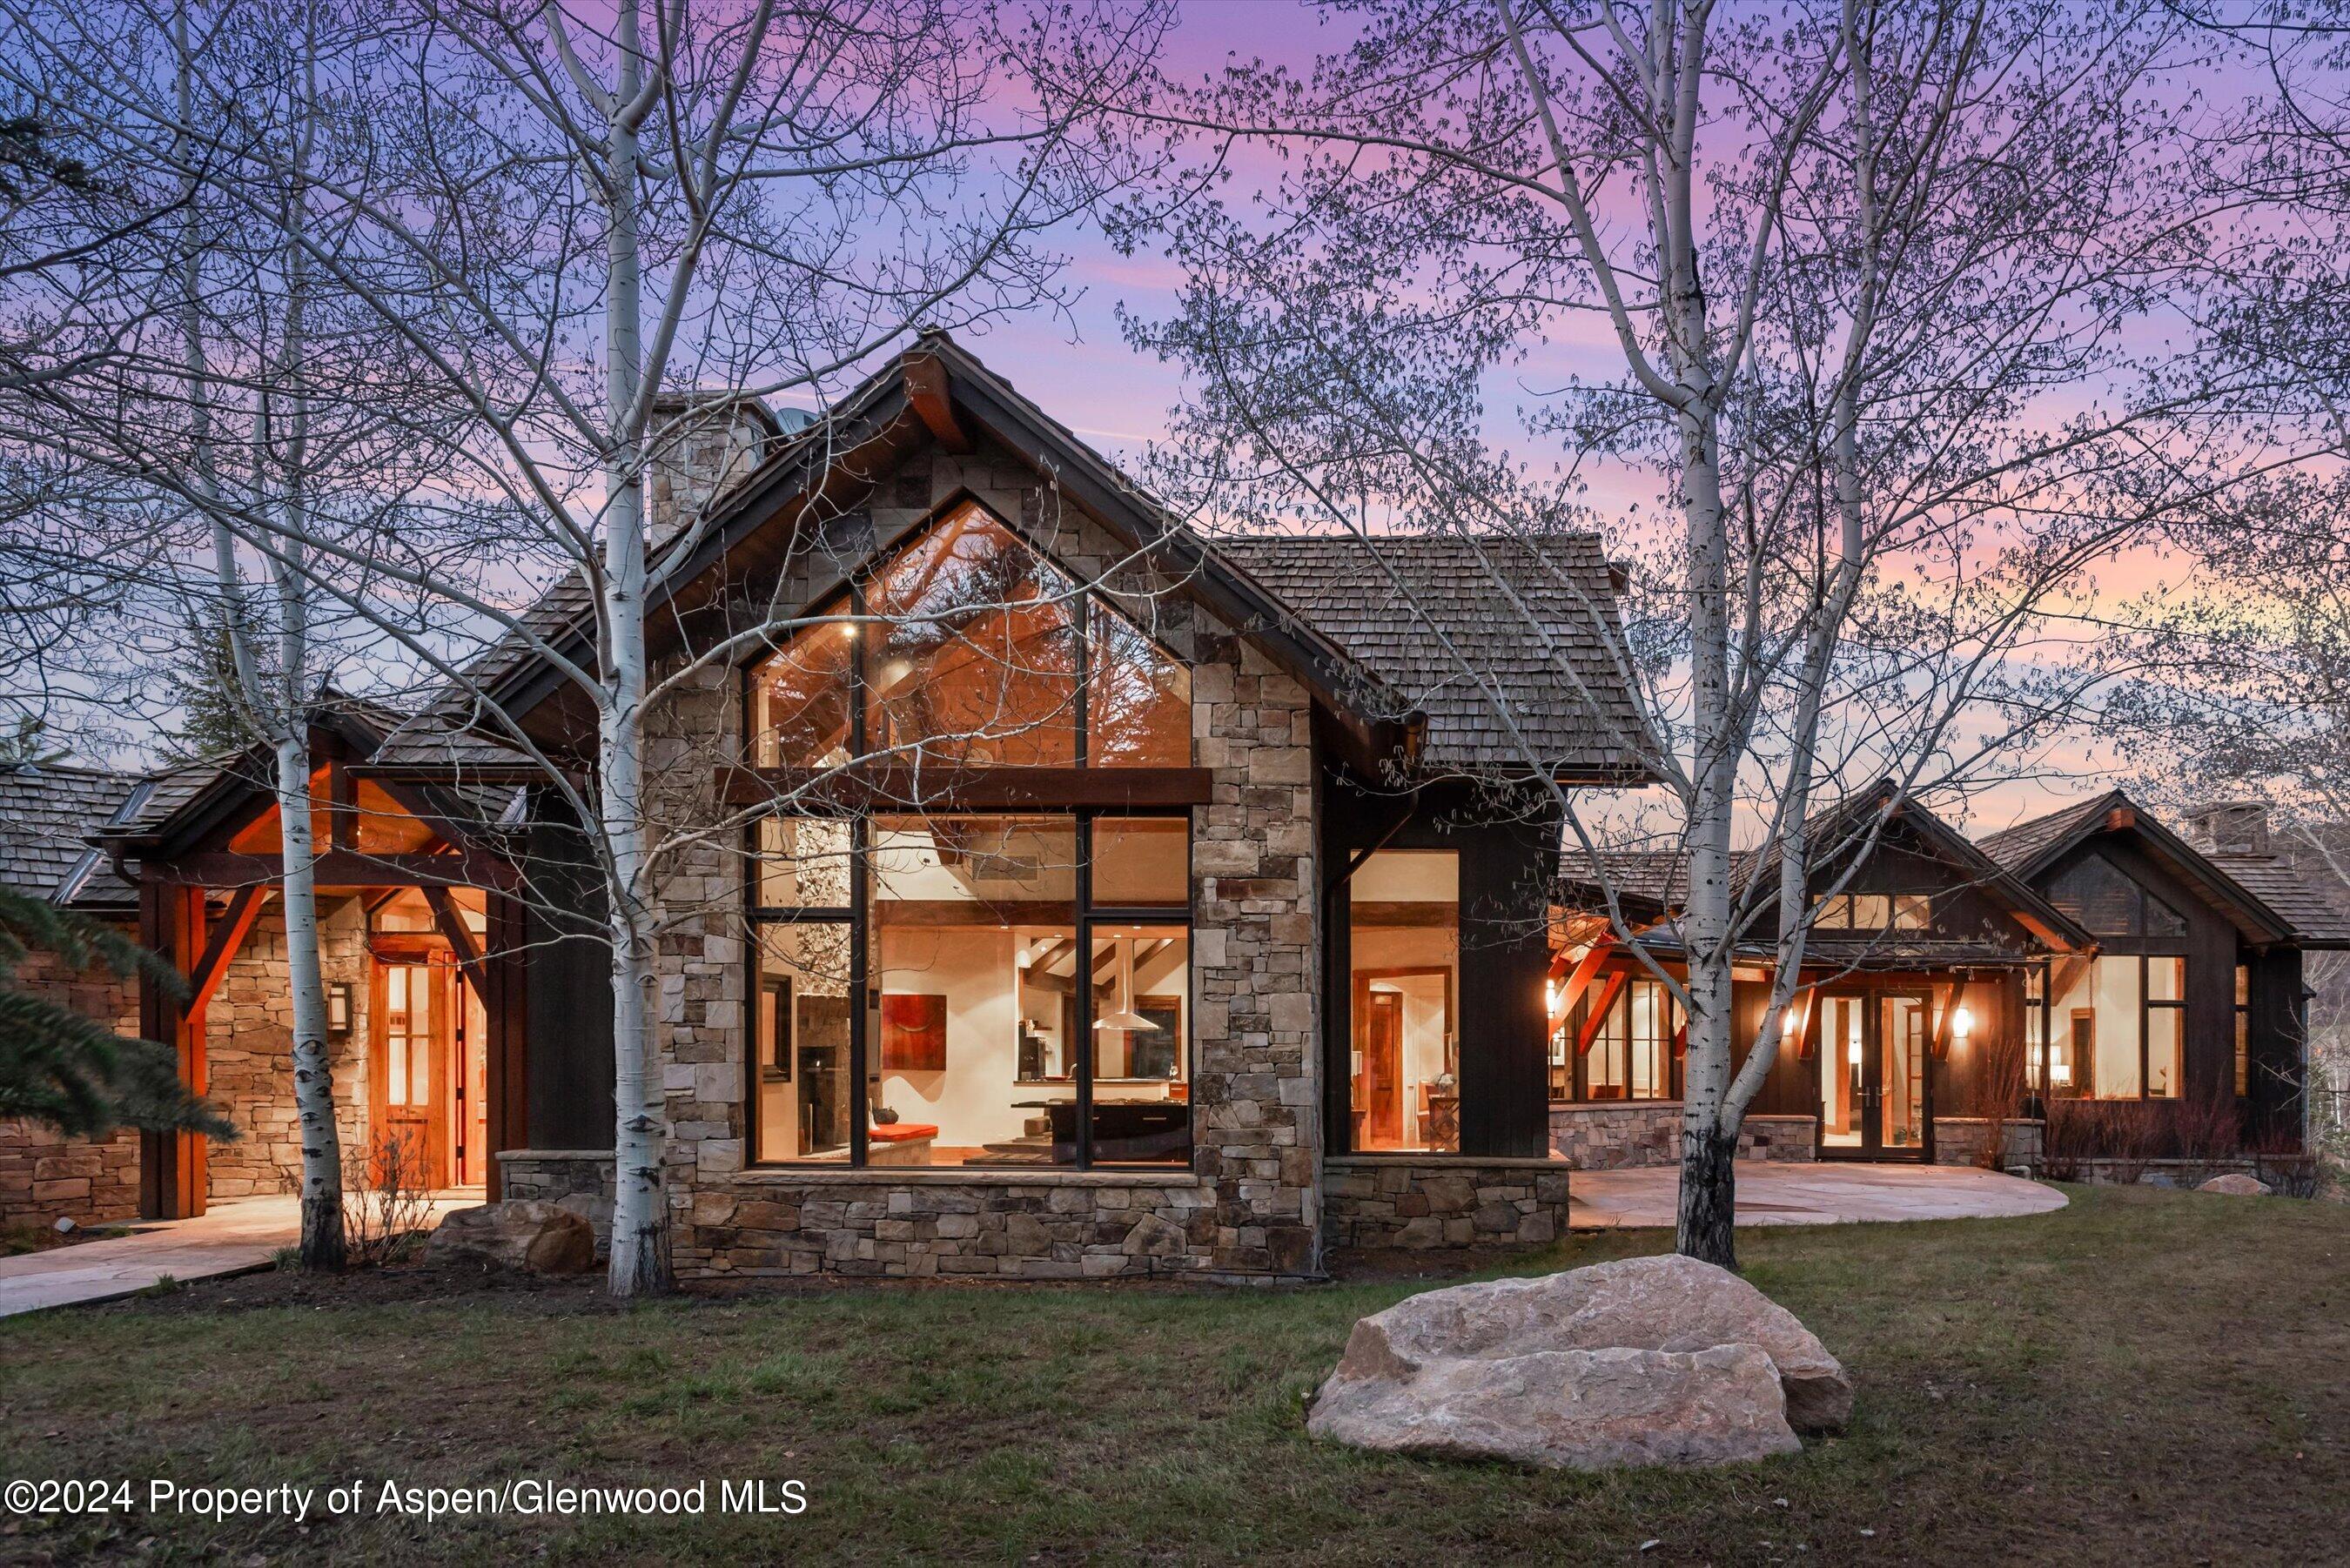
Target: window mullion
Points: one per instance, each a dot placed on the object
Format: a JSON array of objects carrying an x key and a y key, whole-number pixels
[
  {"x": 1083, "y": 975},
  {"x": 1083, "y": 642},
  {"x": 860, "y": 1012}
]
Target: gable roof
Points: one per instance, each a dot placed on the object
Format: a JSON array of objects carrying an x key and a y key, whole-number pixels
[
  {"x": 2031, "y": 847},
  {"x": 1302, "y": 604},
  {"x": 1659, "y": 877}
]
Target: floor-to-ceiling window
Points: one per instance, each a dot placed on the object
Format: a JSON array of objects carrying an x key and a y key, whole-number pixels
[
  {"x": 2116, "y": 1026},
  {"x": 935, "y": 985}
]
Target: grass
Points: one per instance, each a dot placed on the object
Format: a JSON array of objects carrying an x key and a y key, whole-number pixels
[{"x": 2145, "y": 1377}]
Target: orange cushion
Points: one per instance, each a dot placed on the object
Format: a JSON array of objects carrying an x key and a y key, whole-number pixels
[{"x": 900, "y": 1131}]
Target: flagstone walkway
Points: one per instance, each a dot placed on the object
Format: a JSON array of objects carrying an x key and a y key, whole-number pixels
[
  {"x": 1786, "y": 1193},
  {"x": 228, "y": 1239}
]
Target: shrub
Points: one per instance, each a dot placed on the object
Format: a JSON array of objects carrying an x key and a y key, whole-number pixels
[{"x": 386, "y": 1203}]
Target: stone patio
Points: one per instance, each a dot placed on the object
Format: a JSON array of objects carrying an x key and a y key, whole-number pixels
[{"x": 1772, "y": 1193}]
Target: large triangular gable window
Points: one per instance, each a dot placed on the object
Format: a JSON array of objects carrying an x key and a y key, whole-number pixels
[{"x": 971, "y": 649}]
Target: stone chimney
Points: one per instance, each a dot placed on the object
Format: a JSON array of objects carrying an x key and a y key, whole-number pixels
[
  {"x": 703, "y": 443},
  {"x": 2231, "y": 827}
]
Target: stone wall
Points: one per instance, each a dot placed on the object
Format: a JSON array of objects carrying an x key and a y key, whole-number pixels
[
  {"x": 44, "y": 1174},
  {"x": 1071, "y": 1226},
  {"x": 249, "y": 1053},
  {"x": 1425, "y": 1204},
  {"x": 1960, "y": 1140},
  {"x": 578, "y": 1179},
  {"x": 1612, "y": 1135},
  {"x": 1249, "y": 1206}
]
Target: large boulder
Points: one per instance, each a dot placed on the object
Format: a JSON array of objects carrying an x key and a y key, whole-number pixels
[
  {"x": 2237, "y": 1184},
  {"x": 1643, "y": 1360},
  {"x": 530, "y": 1234},
  {"x": 1570, "y": 1409}
]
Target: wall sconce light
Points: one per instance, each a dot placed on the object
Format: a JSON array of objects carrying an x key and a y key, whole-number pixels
[
  {"x": 338, "y": 1007},
  {"x": 1962, "y": 1023},
  {"x": 1787, "y": 1018},
  {"x": 1550, "y": 996}
]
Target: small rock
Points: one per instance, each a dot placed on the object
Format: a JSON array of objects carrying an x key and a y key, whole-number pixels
[
  {"x": 65, "y": 1225},
  {"x": 2237, "y": 1184}
]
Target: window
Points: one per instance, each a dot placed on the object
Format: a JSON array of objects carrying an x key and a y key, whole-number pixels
[
  {"x": 970, "y": 648},
  {"x": 1003, "y": 990},
  {"x": 1874, "y": 912},
  {"x": 2120, "y": 1027},
  {"x": 2243, "y": 1031},
  {"x": 2035, "y": 1030},
  {"x": 1631, "y": 1055},
  {"x": 408, "y": 1034},
  {"x": 1404, "y": 925},
  {"x": 2101, "y": 897}
]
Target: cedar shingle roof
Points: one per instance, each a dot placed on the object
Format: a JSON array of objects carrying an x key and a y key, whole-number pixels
[
  {"x": 2310, "y": 898},
  {"x": 2019, "y": 846},
  {"x": 1482, "y": 633},
  {"x": 44, "y": 812}
]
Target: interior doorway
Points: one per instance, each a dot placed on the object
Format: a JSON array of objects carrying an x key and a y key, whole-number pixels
[{"x": 1875, "y": 1082}]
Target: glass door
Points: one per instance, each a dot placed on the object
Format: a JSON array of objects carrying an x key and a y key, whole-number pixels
[
  {"x": 1873, "y": 1053},
  {"x": 1900, "y": 1091}
]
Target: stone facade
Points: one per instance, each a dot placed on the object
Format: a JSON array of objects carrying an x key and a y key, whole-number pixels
[
  {"x": 249, "y": 1055},
  {"x": 1248, "y": 1205},
  {"x": 1960, "y": 1140},
  {"x": 1388, "y": 1201},
  {"x": 1612, "y": 1135},
  {"x": 44, "y": 1174}
]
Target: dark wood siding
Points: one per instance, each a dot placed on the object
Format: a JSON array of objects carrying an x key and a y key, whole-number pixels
[
  {"x": 1508, "y": 862},
  {"x": 567, "y": 994},
  {"x": 2208, "y": 944}
]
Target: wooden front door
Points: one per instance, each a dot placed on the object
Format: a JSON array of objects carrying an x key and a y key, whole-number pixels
[
  {"x": 1378, "y": 1086},
  {"x": 414, "y": 1077}
]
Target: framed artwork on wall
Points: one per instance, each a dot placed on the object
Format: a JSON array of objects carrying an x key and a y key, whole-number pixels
[{"x": 913, "y": 1033}]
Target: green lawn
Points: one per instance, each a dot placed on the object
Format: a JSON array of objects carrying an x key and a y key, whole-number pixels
[{"x": 2147, "y": 1377}]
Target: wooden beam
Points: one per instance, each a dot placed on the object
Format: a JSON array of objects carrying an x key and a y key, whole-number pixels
[
  {"x": 885, "y": 787},
  {"x": 933, "y": 403},
  {"x": 1599, "y": 1013},
  {"x": 342, "y": 805},
  {"x": 452, "y": 921},
  {"x": 171, "y": 1175},
  {"x": 221, "y": 945},
  {"x": 1578, "y": 982},
  {"x": 472, "y": 868}
]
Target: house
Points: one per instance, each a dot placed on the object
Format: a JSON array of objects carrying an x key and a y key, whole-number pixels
[
  {"x": 1953, "y": 990},
  {"x": 1048, "y": 889},
  {"x": 1064, "y": 893}
]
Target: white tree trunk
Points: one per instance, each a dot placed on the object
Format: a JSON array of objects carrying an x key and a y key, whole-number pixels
[
  {"x": 1708, "y": 1136},
  {"x": 314, "y": 1081},
  {"x": 639, "y": 1264}
]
